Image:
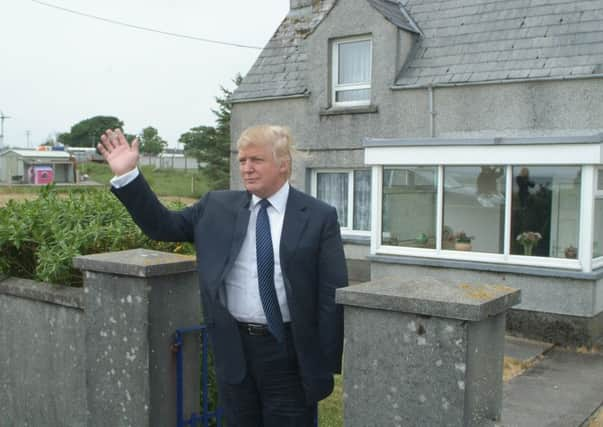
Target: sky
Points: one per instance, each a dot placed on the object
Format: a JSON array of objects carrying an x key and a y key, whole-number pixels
[{"x": 58, "y": 68}]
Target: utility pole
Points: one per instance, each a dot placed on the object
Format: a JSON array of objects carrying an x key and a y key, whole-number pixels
[{"x": 2, "y": 118}]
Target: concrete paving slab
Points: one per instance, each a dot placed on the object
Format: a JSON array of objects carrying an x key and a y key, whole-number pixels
[
  {"x": 524, "y": 349},
  {"x": 562, "y": 390}
]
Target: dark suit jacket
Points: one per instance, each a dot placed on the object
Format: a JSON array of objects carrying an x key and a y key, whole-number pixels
[{"x": 312, "y": 262}]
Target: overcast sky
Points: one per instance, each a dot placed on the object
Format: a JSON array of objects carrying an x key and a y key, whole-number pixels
[{"x": 57, "y": 68}]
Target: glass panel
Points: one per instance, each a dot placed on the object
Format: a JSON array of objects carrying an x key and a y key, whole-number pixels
[
  {"x": 362, "y": 200},
  {"x": 600, "y": 180},
  {"x": 352, "y": 95},
  {"x": 354, "y": 62},
  {"x": 409, "y": 206},
  {"x": 474, "y": 208},
  {"x": 332, "y": 188},
  {"x": 545, "y": 211},
  {"x": 598, "y": 235}
]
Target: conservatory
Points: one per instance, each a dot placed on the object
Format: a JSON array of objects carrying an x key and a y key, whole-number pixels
[{"x": 524, "y": 202}]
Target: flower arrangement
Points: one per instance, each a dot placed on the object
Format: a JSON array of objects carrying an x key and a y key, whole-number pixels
[
  {"x": 461, "y": 237},
  {"x": 528, "y": 240}
]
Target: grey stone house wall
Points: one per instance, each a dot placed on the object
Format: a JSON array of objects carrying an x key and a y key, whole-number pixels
[{"x": 333, "y": 137}]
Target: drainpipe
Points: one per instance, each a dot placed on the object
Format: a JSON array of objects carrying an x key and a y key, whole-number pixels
[{"x": 432, "y": 112}]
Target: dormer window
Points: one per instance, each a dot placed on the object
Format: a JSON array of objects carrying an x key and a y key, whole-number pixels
[{"x": 351, "y": 74}]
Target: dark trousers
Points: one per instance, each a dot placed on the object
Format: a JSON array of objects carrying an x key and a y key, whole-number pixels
[{"x": 271, "y": 395}]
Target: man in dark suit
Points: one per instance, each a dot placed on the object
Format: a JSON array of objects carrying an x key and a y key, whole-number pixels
[{"x": 269, "y": 260}]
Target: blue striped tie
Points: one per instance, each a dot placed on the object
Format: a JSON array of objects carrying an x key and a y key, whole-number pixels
[{"x": 265, "y": 261}]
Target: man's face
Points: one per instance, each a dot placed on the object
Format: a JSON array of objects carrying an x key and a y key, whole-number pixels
[{"x": 261, "y": 173}]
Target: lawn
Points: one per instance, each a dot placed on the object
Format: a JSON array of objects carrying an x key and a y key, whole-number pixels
[{"x": 165, "y": 182}]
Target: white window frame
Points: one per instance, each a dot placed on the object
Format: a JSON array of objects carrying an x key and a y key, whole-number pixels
[
  {"x": 382, "y": 154},
  {"x": 596, "y": 262},
  {"x": 349, "y": 230},
  {"x": 336, "y": 87}
]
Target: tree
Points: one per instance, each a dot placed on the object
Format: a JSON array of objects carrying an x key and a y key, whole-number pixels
[
  {"x": 87, "y": 133},
  {"x": 211, "y": 145},
  {"x": 150, "y": 141}
]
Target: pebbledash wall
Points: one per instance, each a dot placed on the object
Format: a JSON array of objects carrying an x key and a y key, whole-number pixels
[
  {"x": 99, "y": 355},
  {"x": 561, "y": 305}
]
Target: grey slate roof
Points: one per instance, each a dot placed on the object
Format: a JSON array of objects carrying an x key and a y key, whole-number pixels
[
  {"x": 463, "y": 41},
  {"x": 468, "y": 41},
  {"x": 394, "y": 13},
  {"x": 281, "y": 68}
]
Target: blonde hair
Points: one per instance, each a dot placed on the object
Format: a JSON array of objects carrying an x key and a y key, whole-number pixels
[{"x": 278, "y": 137}]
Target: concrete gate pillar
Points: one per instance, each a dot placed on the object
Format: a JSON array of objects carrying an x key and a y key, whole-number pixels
[
  {"x": 135, "y": 300},
  {"x": 424, "y": 352}
]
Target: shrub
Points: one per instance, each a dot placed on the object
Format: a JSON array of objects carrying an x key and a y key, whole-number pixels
[{"x": 39, "y": 238}]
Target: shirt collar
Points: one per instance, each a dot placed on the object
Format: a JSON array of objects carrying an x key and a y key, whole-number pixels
[{"x": 278, "y": 200}]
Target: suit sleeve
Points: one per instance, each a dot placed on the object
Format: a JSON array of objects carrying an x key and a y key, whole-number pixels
[
  {"x": 332, "y": 274},
  {"x": 154, "y": 219}
]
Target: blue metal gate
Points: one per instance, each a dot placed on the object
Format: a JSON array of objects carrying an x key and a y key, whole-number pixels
[{"x": 206, "y": 415}]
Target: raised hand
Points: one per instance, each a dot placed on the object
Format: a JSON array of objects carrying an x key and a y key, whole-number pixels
[{"x": 120, "y": 156}]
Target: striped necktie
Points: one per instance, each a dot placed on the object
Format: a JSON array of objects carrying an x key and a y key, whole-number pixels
[{"x": 265, "y": 262}]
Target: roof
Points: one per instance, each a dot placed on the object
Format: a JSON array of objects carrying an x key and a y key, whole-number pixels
[
  {"x": 281, "y": 68},
  {"x": 38, "y": 154},
  {"x": 470, "y": 41},
  {"x": 461, "y": 42},
  {"x": 395, "y": 13}
]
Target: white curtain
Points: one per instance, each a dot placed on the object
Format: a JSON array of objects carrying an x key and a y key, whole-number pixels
[
  {"x": 362, "y": 200},
  {"x": 332, "y": 188},
  {"x": 354, "y": 62}
]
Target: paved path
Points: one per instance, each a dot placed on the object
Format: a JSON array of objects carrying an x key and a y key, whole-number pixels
[{"x": 563, "y": 389}]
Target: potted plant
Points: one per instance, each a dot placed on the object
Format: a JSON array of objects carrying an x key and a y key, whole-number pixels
[
  {"x": 462, "y": 241},
  {"x": 528, "y": 241},
  {"x": 571, "y": 252},
  {"x": 448, "y": 237}
]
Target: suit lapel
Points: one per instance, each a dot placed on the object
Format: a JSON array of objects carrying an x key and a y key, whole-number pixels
[
  {"x": 240, "y": 229},
  {"x": 294, "y": 223}
]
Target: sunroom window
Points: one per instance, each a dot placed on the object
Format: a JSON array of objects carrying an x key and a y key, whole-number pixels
[
  {"x": 349, "y": 191},
  {"x": 409, "y": 206},
  {"x": 351, "y": 74},
  {"x": 546, "y": 211},
  {"x": 480, "y": 200}
]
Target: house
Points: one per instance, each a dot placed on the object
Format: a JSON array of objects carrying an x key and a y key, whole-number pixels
[
  {"x": 36, "y": 167},
  {"x": 426, "y": 121}
]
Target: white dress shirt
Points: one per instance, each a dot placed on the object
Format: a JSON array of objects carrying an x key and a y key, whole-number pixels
[{"x": 241, "y": 293}]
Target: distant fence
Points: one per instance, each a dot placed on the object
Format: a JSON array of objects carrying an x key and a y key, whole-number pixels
[{"x": 170, "y": 161}]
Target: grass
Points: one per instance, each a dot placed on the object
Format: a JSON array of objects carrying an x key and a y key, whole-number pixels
[
  {"x": 330, "y": 410},
  {"x": 164, "y": 182}
]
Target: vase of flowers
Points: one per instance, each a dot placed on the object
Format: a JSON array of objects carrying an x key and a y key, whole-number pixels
[
  {"x": 462, "y": 241},
  {"x": 528, "y": 241}
]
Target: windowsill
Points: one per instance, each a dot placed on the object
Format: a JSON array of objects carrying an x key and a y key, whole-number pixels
[
  {"x": 355, "y": 239},
  {"x": 487, "y": 266},
  {"x": 341, "y": 110}
]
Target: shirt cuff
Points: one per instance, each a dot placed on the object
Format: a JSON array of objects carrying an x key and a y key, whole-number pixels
[{"x": 125, "y": 179}]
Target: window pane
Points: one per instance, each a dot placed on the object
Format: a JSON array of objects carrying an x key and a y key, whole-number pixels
[
  {"x": 474, "y": 205},
  {"x": 332, "y": 188},
  {"x": 409, "y": 206},
  {"x": 600, "y": 180},
  {"x": 352, "y": 95},
  {"x": 362, "y": 200},
  {"x": 354, "y": 62},
  {"x": 545, "y": 211},
  {"x": 598, "y": 235}
]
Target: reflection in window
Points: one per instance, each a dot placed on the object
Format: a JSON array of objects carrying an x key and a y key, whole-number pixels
[
  {"x": 545, "y": 211},
  {"x": 474, "y": 204},
  {"x": 409, "y": 206}
]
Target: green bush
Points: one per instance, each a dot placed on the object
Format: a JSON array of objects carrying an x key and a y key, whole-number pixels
[{"x": 39, "y": 238}]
